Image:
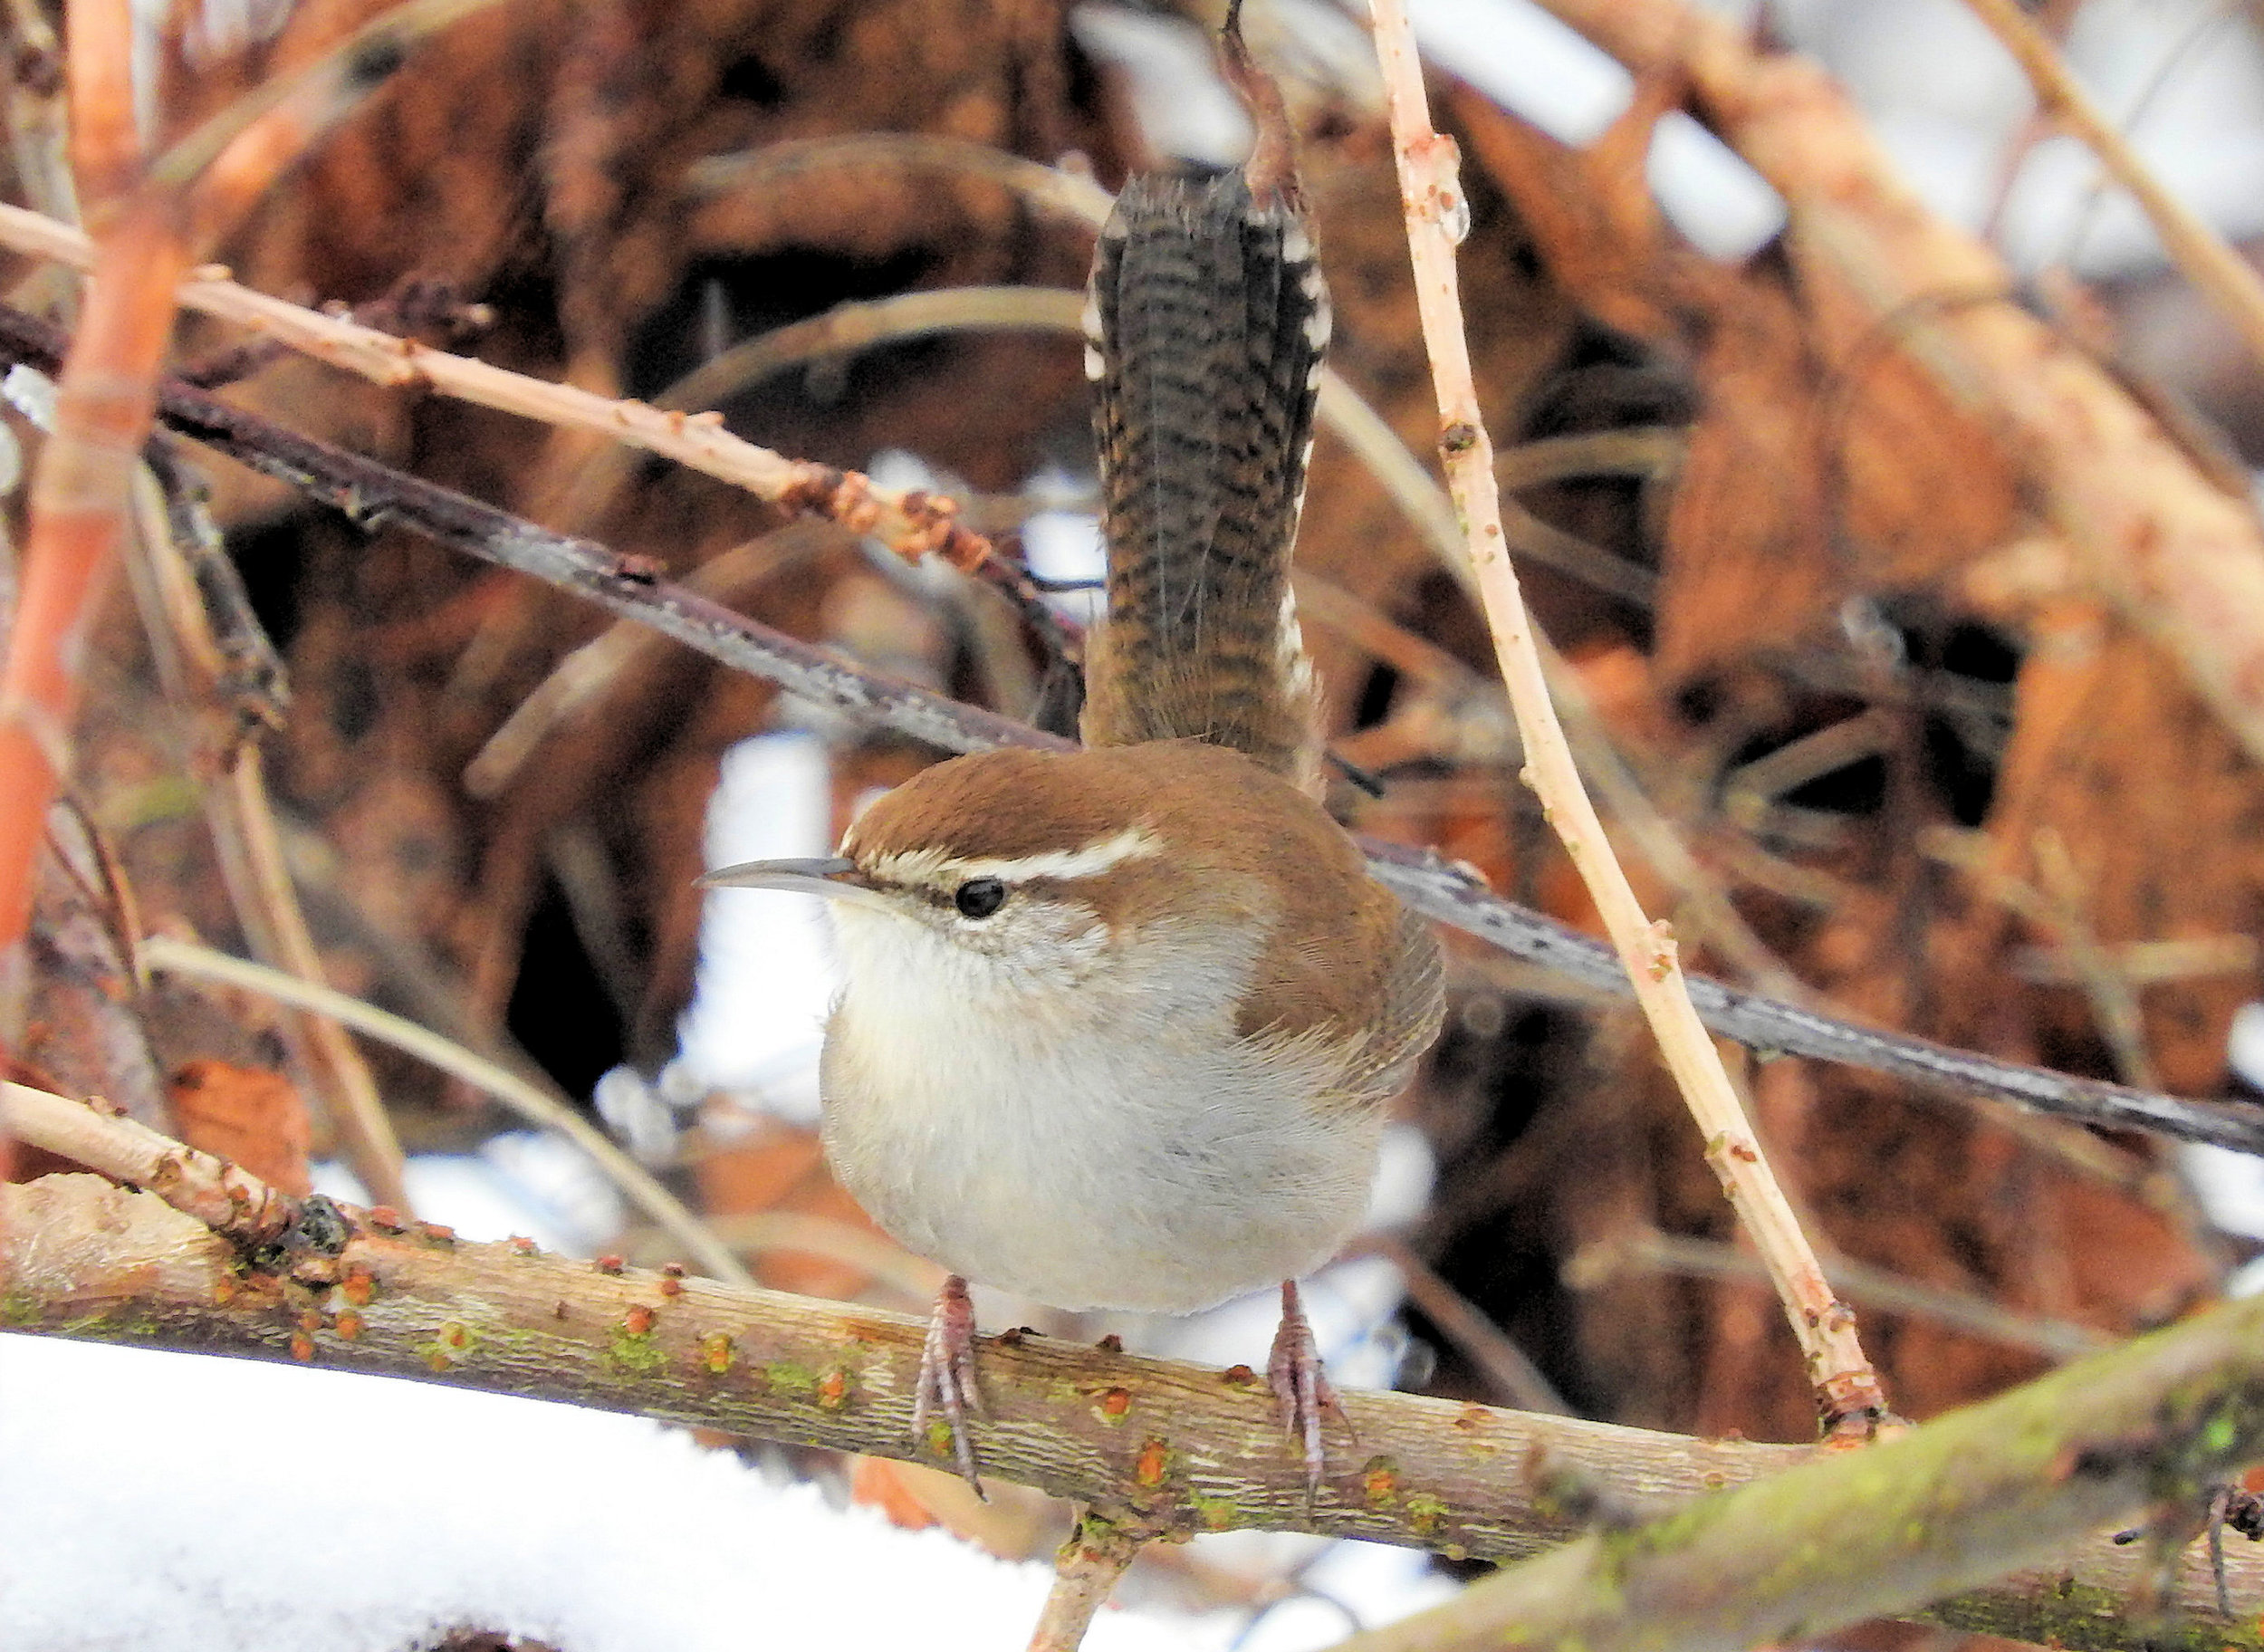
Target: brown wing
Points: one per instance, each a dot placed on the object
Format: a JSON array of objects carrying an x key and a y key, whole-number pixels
[
  {"x": 1305, "y": 987},
  {"x": 1414, "y": 1000}
]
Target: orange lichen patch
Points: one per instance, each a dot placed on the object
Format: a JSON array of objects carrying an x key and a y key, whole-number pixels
[
  {"x": 833, "y": 1390},
  {"x": 716, "y": 1352}
]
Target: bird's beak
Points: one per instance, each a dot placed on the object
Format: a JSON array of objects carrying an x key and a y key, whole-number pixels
[{"x": 830, "y": 876}]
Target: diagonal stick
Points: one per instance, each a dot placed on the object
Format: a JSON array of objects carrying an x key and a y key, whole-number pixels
[{"x": 1848, "y": 1393}]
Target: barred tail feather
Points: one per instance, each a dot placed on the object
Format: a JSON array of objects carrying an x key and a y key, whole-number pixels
[{"x": 1207, "y": 323}]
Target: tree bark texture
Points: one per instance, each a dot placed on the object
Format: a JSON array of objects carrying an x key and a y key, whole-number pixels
[{"x": 1184, "y": 1449}]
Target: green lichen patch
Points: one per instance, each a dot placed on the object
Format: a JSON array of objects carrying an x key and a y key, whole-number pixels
[
  {"x": 1214, "y": 1513},
  {"x": 1426, "y": 1515},
  {"x": 634, "y": 1353},
  {"x": 939, "y": 1441},
  {"x": 111, "y": 1325},
  {"x": 791, "y": 1377},
  {"x": 2086, "y": 1619}
]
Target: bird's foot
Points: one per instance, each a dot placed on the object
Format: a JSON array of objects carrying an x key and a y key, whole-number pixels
[
  {"x": 1301, "y": 1392},
  {"x": 947, "y": 1393}
]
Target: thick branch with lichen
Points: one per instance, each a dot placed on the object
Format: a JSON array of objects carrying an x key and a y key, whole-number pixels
[
  {"x": 1155, "y": 1443},
  {"x": 1878, "y": 1534},
  {"x": 1182, "y": 1447}
]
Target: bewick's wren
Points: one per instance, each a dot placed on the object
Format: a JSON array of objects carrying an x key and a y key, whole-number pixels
[{"x": 1119, "y": 1025}]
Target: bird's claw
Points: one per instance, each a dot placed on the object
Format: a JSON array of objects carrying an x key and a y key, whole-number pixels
[
  {"x": 1301, "y": 1391},
  {"x": 947, "y": 1391}
]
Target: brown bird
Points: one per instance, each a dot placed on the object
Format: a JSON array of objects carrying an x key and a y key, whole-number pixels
[{"x": 1119, "y": 1026}]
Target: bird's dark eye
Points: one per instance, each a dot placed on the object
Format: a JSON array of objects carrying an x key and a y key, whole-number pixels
[{"x": 979, "y": 896}]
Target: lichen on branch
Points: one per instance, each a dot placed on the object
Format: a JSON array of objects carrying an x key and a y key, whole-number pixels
[{"x": 1181, "y": 1449}]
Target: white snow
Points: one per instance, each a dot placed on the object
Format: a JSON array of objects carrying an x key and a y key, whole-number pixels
[
  {"x": 162, "y": 1503},
  {"x": 767, "y": 975}
]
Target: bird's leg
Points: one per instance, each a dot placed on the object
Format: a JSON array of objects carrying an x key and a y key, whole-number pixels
[
  {"x": 948, "y": 1391},
  {"x": 1301, "y": 1386}
]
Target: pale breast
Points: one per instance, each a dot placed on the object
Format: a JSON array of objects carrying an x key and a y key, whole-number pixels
[
  {"x": 1079, "y": 1166},
  {"x": 1149, "y": 1186}
]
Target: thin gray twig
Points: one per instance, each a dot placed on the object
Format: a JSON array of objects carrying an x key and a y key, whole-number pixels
[{"x": 631, "y": 586}]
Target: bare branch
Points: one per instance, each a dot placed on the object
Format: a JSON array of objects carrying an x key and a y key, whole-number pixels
[
  {"x": 201, "y": 675},
  {"x": 227, "y": 1198},
  {"x": 2220, "y": 274},
  {"x": 1091, "y": 1558},
  {"x": 1153, "y": 1445},
  {"x": 1850, "y": 1536},
  {"x": 371, "y": 492},
  {"x": 912, "y": 523},
  {"x": 168, "y": 955},
  {"x": 1848, "y": 1394},
  {"x": 2058, "y": 1340}
]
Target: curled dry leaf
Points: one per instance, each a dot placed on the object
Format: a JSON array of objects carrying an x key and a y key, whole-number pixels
[{"x": 248, "y": 1115}]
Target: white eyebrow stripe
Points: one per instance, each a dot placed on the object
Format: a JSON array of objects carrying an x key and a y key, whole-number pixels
[{"x": 1101, "y": 855}]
